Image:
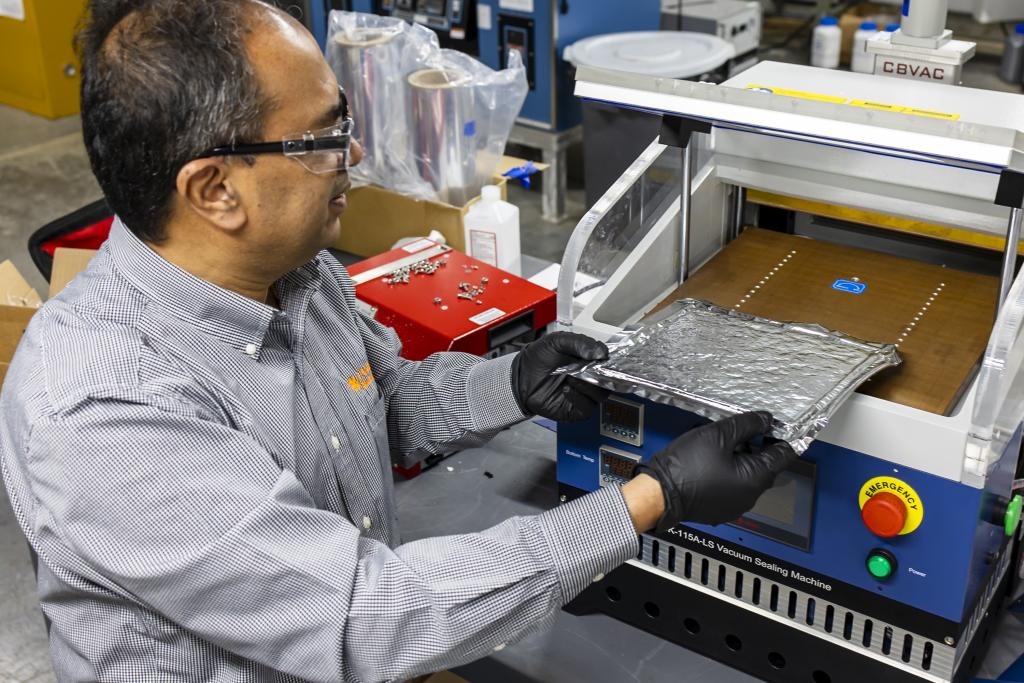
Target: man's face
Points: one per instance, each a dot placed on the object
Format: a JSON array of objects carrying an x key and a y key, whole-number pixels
[{"x": 292, "y": 213}]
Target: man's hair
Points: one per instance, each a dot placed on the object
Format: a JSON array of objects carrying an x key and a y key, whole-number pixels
[{"x": 162, "y": 82}]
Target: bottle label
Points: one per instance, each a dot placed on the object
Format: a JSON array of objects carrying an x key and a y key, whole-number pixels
[{"x": 483, "y": 245}]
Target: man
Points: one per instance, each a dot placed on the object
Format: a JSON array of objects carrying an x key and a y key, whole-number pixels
[{"x": 209, "y": 497}]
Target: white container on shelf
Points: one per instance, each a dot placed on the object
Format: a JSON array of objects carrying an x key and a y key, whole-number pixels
[
  {"x": 825, "y": 43},
  {"x": 861, "y": 60},
  {"x": 492, "y": 231}
]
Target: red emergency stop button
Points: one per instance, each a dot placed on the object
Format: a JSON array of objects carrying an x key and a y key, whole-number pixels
[{"x": 884, "y": 514}]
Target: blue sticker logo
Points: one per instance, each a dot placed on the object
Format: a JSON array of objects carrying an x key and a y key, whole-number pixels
[
  {"x": 849, "y": 286},
  {"x": 469, "y": 130}
]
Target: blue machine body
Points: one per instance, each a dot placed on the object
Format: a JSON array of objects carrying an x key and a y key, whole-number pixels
[
  {"x": 540, "y": 34},
  {"x": 940, "y": 566}
]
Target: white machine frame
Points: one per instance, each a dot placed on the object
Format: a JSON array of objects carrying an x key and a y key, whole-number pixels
[{"x": 939, "y": 158}]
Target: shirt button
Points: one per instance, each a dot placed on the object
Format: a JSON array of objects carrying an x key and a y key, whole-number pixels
[
  {"x": 499, "y": 648},
  {"x": 335, "y": 441},
  {"x": 250, "y": 349},
  {"x": 598, "y": 578},
  {"x": 367, "y": 523}
]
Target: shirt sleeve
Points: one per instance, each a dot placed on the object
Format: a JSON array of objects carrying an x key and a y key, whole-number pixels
[
  {"x": 194, "y": 520},
  {"x": 446, "y": 402}
]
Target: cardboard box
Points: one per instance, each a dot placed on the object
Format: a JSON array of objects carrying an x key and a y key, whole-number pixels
[
  {"x": 67, "y": 263},
  {"x": 18, "y": 303},
  {"x": 377, "y": 218},
  {"x": 851, "y": 21}
]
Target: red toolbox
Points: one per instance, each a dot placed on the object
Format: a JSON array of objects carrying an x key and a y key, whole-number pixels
[{"x": 438, "y": 299}]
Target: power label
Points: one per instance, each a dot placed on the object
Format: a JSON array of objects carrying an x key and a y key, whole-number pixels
[{"x": 915, "y": 508}]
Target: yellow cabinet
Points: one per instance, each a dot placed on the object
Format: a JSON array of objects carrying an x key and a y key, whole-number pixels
[{"x": 38, "y": 65}]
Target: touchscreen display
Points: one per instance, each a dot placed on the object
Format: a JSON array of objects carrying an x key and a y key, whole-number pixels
[{"x": 785, "y": 512}]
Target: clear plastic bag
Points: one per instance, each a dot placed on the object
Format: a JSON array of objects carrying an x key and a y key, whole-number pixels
[{"x": 433, "y": 122}]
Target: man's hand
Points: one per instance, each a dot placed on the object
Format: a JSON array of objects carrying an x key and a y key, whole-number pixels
[
  {"x": 558, "y": 397},
  {"x": 710, "y": 475}
]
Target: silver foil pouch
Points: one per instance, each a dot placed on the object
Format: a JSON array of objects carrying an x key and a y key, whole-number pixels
[{"x": 718, "y": 362}]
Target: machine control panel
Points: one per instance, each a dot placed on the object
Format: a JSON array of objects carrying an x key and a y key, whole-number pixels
[
  {"x": 623, "y": 420},
  {"x": 454, "y": 21},
  {"x": 616, "y": 466}
]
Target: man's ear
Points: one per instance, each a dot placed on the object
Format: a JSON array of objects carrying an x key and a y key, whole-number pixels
[{"x": 205, "y": 187}]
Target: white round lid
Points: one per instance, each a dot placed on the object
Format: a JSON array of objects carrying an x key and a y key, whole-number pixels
[{"x": 673, "y": 54}]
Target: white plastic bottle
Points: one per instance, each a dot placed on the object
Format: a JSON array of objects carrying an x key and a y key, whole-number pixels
[
  {"x": 492, "y": 231},
  {"x": 861, "y": 60},
  {"x": 825, "y": 43}
]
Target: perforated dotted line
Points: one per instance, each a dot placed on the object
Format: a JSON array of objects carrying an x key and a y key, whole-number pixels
[
  {"x": 920, "y": 314},
  {"x": 753, "y": 290}
]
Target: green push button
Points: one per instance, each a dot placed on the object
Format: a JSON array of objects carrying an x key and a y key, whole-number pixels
[
  {"x": 881, "y": 564},
  {"x": 1012, "y": 517}
]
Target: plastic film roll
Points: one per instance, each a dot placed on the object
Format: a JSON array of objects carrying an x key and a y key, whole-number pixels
[
  {"x": 368, "y": 64},
  {"x": 444, "y": 132}
]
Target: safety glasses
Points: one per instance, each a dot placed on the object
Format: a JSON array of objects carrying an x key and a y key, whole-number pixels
[{"x": 319, "y": 151}]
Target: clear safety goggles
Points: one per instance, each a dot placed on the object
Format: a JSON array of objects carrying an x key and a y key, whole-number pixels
[{"x": 319, "y": 151}]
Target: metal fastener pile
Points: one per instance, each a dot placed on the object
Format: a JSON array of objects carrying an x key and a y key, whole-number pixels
[
  {"x": 425, "y": 267},
  {"x": 470, "y": 292}
]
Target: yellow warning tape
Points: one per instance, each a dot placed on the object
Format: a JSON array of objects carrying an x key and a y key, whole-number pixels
[{"x": 869, "y": 104}]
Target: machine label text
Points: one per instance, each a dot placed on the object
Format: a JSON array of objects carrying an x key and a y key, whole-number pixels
[
  {"x": 754, "y": 560},
  {"x": 580, "y": 456},
  {"x": 936, "y": 73}
]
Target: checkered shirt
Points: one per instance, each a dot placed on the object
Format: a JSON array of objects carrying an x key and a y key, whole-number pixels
[{"x": 206, "y": 481}]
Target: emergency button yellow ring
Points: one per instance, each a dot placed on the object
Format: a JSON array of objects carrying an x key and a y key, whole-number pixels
[{"x": 903, "y": 491}]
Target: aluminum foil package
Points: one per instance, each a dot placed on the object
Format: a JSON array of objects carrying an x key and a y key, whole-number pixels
[{"x": 718, "y": 362}]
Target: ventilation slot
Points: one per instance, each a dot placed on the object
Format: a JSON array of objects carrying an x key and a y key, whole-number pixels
[
  {"x": 908, "y": 645},
  {"x": 815, "y": 614}
]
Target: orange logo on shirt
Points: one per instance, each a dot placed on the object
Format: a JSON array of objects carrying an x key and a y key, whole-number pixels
[{"x": 362, "y": 379}]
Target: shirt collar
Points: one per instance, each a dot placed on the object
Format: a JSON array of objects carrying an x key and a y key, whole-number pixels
[{"x": 229, "y": 316}]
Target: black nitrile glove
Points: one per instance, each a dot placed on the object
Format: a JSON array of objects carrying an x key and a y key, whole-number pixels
[
  {"x": 558, "y": 397},
  {"x": 713, "y": 474}
]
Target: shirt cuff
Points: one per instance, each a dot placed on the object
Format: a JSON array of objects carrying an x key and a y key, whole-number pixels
[
  {"x": 588, "y": 538},
  {"x": 492, "y": 405}
]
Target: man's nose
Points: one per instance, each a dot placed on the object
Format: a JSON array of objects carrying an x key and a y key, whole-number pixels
[{"x": 355, "y": 153}]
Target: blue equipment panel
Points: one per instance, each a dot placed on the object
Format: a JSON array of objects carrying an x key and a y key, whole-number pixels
[
  {"x": 814, "y": 519},
  {"x": 540, "y": 33}
]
